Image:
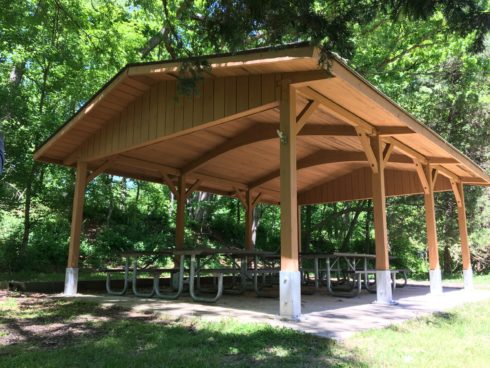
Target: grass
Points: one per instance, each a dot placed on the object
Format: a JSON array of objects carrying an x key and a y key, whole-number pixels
[
  {"x": 75, "y": 333},
  {"x": 460, "y": 337},
  {"x": 111, "y": 338}
]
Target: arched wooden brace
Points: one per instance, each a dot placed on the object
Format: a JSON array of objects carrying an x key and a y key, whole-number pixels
[
  {"x": 261, "y": 133},
  {"x": 324, "y": 157}
]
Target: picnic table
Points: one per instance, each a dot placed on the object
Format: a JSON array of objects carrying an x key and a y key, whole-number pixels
[
  {"x": 231, "y": 261},
  {"x": 354, "y": 268}
]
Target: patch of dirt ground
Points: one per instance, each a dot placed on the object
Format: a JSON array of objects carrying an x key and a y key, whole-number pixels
[{"x": 40, "y": 320}]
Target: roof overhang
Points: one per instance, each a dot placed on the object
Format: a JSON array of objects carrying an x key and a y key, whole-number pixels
[{"x": 344, "y": 94}]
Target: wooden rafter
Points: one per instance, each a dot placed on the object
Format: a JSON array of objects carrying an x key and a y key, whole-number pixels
[
  {"x": 407, "y": 150},
  {"x": 393, "y": 130},
  {"x": 442, "y": 160},
  {"x": 337, "y": 110},
  {"x": 447, "y": 173}
]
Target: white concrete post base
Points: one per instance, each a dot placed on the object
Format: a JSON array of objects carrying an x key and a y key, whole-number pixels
[
  {"x": 383, "y": 288},
  {"x": 468, "y": 279},
  {"x": 435, "y": 281},
  {"x": 290, "y": 294},
  {"x": 71, "y": 281}
]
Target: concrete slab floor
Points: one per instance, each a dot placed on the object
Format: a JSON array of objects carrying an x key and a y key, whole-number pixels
[{"x": 322, "y": 314}]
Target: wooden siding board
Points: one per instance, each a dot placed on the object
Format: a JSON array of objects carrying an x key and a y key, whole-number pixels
[
  {"x": 161, "y": 108},
  {"x": 230, "y": 96},
  {"x": 208, "y": 100},
  {"x": 197, "y": 116},
  {"x": 170, "y": 107},
  {"x": 219, "y": 98}
]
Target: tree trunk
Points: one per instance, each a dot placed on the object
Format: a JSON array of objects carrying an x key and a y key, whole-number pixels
[
  {"x": 352, "y": 225},
  {"x": 257, "y": 215},
  {"x": 27, "y": 211}
]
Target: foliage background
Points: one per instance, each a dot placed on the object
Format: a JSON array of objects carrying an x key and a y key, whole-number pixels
[{"x": 432, "y": 57}]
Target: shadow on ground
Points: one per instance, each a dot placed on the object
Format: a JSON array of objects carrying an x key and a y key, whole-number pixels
[{"x": 56, "y": 332}]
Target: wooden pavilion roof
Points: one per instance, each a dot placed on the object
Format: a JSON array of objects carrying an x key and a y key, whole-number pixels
[{"x": 224, "y": 138}]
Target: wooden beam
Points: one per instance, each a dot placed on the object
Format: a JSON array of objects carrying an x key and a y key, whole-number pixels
[
  {"x": 328, "y": 130},
  {"x": 77, "y": 215},
  {"x": 393, "y": 130},
  {"x": 368, "y": 150},
  {"x": 96, "y": 172},
  {"x": 337, "y": 111},
  {"x": 473, "y": 180},
  {"x": 305, "y": 114},
  {"x": 289, "y": 207},
  {"x": 379, "y": 207},
  {"x": 424, "y": 179},
  {"x": 430, "y": 217},
  {"x": 442, "y": 160},
  {"x": 407, "y": 150},
  {"x": 448, "y": 174}
]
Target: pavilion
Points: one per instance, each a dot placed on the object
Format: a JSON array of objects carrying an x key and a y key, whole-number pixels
[{"x": 266, "y": 126}]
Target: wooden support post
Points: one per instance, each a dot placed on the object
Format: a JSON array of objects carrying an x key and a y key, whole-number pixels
[
  {"x": 383, "y": 275},
  {"x": 71, "y": 279},
  {"x": 290, "y": 278},
  {"x": 289, "y": 207},
  {"x": 379, "y": 206},
  {"x": 430, "y": 220},
  {"x": 180, "y": 219},
  {"x": 463, "y": 233}
]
